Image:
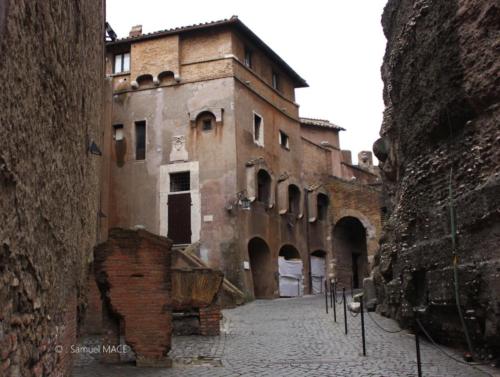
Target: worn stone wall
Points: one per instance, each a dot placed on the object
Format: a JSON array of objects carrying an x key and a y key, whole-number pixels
[
  {"x": 441, "y": 125},
  {"x": 51, "y": 69}
]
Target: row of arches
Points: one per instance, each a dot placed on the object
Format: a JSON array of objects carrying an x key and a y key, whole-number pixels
[
  {"x": 349, "y": 251},
  {"x": 260, "y": 188}
]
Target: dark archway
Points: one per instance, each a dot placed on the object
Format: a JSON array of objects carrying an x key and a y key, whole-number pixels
[
  {"x": 261, "y": 267},
  {"x": 263, "y": 187},
  {"x": 349, "y": 247}
]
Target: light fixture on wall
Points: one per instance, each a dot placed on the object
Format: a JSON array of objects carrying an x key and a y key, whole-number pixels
[{"x": 241, "y": 200}]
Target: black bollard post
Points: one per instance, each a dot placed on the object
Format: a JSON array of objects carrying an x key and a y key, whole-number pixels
[
  {"x": 363, "y": 326},
  {"x": 334, "y": 293},
  {"x": 345, "y": 310},
  {"x": 417, "y": 346},
  {"x": 326, "y": 296},
  {"x": 331, "y": 294}
]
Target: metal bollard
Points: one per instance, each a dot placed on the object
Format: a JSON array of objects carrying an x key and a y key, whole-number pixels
[
  {"x": 331, "y": 294},
  {"x": 345, "y": 310},
  {"x": 417, "y": 346},
  {"x": 326, "y": 296},
  {"x": 363, "y": 326},
  {"x": 334, "y": 293}
]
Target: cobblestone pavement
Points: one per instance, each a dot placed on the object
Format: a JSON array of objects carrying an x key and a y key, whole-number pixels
[{"x": 294, "y": 337}]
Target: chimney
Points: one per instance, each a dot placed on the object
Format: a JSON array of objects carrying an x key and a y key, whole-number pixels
[
  {"x": 136, "y": 31},
  {"x": 347, "y": 157}
]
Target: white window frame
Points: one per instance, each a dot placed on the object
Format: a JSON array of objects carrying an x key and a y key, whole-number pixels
[
  {"x": 122, "y": 64},
  {"x": 260, "y": 140}
]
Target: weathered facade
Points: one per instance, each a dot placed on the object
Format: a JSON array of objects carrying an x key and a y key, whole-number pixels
[
  {"x": 440, "y": 157},
  {"x": 207, "y": 146},
  {"x": 52, "y": 70}
]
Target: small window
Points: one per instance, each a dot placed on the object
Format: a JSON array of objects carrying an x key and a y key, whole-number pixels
[
  {"x": 284, "y": 140},
  {"x": 258, "y": 130},
  {"x": 294, "y": 200},
  {"x": 205, "y": 121},
  {"x": 140, "y": 140},
  {"x": 122, "y": 63},
  {"x": 118, "y": 132},
  {"x": 322, "y": 202},
  {"x": 275, "y": 81},
  {"x": 180, "y": 182},
  {"x": 248, "y": 57}
]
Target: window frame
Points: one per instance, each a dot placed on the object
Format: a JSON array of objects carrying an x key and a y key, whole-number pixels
[
  {"x": 260, "y": 139},
  {"x": 282, "y": 135},
  {"x": 137, "y": 124},
  {"x": 122, "y": 62}
]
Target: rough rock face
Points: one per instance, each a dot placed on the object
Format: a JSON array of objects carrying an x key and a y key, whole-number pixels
[
  {"x": 133, "y": 272},
  {"x": 442, "y": 82},
  {"x": 51, "y": 70}
]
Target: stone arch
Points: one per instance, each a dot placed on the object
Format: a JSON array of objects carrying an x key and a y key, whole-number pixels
[
  {"x": 261, "y": 267},
  {"x": 163, "y": 76},
  {"x": 141, "y": 79},
  {"x": 216, "y": 111},
  {"x": 350, "y": 251},
  {"x": 284, "y": 195},
  {"x": 253, "y": 168},
  {"x": 264, "y": 187},
  {"x": 205, "y": 121},
  {"x": 291, "y": 271}
]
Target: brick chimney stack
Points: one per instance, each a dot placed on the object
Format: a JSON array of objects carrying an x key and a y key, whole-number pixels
[{"x": 135, "y": 31}]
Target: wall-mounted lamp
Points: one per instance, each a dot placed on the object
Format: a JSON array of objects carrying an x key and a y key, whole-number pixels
[{"x": 240, "y": 200}]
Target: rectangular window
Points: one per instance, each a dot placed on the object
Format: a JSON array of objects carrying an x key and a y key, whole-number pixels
[
  {"x": 140, "y": 140},
  {"x": 248, "y": 58},
  {"x": 180, "y": 182},
  {"x": 284, "y": 140},
  {"x": 118, "y": 132},
  {"x": 258, "y": 130},
  {"x": 122, "y": 63},
  {"x": 275, "y": 81}
]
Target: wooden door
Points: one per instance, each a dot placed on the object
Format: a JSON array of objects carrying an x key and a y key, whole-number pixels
[{"x": 179, "y": 218}]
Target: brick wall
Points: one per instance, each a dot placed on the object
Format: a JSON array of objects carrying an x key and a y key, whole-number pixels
[
  {"x": 210, "y": 320},
  {"x": 133, "y": 273}
]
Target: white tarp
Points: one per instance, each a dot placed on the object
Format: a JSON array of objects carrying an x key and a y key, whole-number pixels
[
  {"x": 318, "y": 274},
  {"x": 290, "y": 277}
]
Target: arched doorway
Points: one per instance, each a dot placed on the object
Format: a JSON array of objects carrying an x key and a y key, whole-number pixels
[
  {"x": 349, "y": 247},
  {"x": 291, "y": 272},
  {"x": 261, "y": 267},
  {"x": 318, "y": 271}
]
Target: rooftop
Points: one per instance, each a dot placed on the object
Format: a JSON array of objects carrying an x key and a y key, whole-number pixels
[
  {"x": 233, "y": 21},
  {"x": 320, "y": 123}
]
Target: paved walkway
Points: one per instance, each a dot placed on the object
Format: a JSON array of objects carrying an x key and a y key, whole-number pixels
[{"x": 294, "y": 337}]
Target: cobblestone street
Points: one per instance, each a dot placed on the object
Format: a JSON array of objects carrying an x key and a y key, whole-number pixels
[{"x": 293, "y": 337}]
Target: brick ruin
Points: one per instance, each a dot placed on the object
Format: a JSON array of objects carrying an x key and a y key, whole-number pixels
[
  {"x": 51, "y": 69},
  {"x": 440, "y": 125}
]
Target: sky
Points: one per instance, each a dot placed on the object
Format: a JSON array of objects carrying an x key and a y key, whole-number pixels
[{"x": 337, "y": 46}]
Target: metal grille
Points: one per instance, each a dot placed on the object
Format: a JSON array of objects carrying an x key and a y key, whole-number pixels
[{"x": 180, "y": 182}]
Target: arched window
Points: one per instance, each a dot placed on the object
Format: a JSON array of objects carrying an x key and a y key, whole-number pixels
[
  {"x": 293, "y": 199},
  {"x": 322, "y": 203},
  {"x": 205, "y": 121},
  {"x": 263, "y": 187}
]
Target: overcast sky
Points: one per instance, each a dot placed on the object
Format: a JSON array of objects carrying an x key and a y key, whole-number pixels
[{"x": 336, "y": 45}]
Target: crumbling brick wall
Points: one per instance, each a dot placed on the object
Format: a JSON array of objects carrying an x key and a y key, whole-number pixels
[
  {"x": 441, "y": 120},
  {"x": 133, "y": 272},
  {"x": 51, "y": 70}
]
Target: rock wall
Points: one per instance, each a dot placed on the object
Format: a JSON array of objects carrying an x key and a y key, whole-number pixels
[
  {"x": 51, "y": 70},
  {"x": 442, "y": 119}
]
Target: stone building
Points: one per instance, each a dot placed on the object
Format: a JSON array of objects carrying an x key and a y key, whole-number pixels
[
  {"x": 207, "y": 147},
  {"x": 52, "y": 70},
  {"x": 440, "y": 155}
]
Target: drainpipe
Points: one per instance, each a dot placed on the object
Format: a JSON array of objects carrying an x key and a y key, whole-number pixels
[{"x": 308, "y": 246}]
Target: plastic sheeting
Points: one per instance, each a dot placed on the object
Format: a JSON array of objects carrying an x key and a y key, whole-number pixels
[
  {"x": 290, "y": 277},
  {"x": 318, "y": 274}
]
